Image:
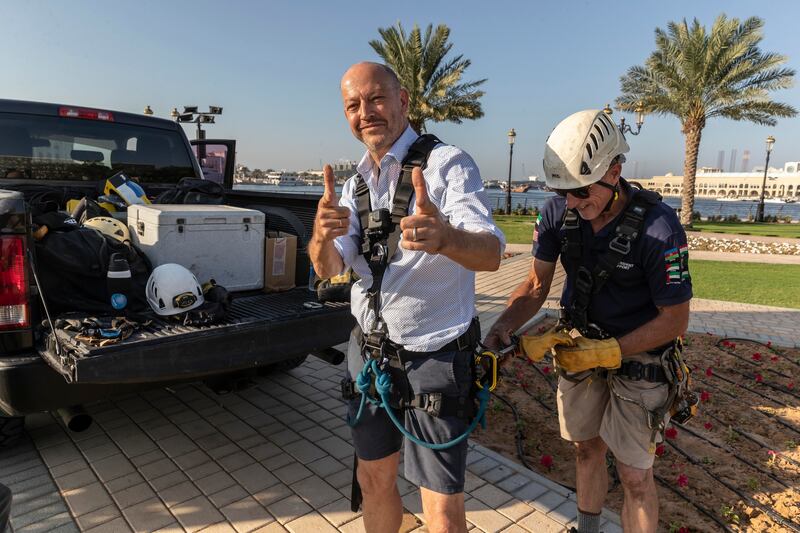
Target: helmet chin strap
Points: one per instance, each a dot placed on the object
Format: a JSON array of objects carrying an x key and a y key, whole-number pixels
[{"x": 614, "y": 196}]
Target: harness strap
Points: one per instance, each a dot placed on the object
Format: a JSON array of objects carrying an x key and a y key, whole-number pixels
[
  {"x": 379, "y": 253},
  {"x": 589, "y": 282}
]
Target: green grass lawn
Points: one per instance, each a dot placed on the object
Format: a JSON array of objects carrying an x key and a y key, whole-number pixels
[
  {"x": 750, "y": 228},
  {"x": 751, "y": 283},
  {"x": 518, "y": 229}
]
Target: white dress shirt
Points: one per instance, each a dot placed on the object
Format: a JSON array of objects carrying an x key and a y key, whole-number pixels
[{"x": 426, "y": 300}]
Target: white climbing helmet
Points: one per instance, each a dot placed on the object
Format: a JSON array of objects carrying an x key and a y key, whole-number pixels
[
  {"x": 172, "y": 289},
  {"x": 580, "y": 149},
  {"x": 109, "y": 226}
]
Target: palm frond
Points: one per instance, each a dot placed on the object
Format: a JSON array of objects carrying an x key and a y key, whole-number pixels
[{"x": 433, "y": 81}]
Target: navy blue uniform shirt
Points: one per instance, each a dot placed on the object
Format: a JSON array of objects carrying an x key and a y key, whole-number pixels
[{"x": 655, "y": 272}]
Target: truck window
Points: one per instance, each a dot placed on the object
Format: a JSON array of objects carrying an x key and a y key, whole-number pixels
[
  {"x": 55, "y": 148},
  {"x": 212, "y": 158}
]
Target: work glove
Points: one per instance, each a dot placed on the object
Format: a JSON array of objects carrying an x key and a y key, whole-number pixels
[
  {"x": 586, "y": 354},
  {"x": 536, "y": 346}
]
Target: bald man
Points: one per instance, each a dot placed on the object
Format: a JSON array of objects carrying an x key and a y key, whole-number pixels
[{"x": 424, "y": 310}]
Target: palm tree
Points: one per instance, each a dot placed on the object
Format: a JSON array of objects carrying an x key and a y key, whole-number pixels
[
  {"x": 433, "y": 82},
  {"x": 697, "y": 75}
]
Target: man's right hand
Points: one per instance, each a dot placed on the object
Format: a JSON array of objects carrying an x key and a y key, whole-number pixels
[
  {"x": 332, "y": 220},
  {"x": 498, "y": 337}
]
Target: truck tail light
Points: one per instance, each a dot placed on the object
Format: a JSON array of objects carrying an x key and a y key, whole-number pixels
[
  {"x": 14, "y": 310},
  {"x": 90, "y": 114}
]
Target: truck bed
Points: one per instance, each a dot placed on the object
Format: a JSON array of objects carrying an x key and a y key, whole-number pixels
[{"x": 261, "y": 329}]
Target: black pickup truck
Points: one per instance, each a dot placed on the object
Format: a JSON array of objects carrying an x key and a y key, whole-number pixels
[{"x": 73, "y": 150}]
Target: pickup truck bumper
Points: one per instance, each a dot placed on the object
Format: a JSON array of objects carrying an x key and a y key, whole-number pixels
[{"x": 263, "y": 329}]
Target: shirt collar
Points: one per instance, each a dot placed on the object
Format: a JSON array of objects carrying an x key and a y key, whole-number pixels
[{"x": 397, "y": 152}]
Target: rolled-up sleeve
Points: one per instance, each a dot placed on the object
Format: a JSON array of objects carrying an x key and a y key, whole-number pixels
[{"x": 454, "y": 177}]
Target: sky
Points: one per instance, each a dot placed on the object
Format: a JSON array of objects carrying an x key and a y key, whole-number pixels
[{"x": 275, "y": 68}]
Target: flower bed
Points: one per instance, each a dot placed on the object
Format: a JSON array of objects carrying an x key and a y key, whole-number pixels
[
  {"x": 735, "y": 466},
  {"x": 745, "y": 246}
]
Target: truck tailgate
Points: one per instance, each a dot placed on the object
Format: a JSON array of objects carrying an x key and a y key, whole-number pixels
[{"x": 261, "y": 329}]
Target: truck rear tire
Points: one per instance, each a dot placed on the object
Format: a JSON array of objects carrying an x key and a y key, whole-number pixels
[{"x": 11, "y": 429}]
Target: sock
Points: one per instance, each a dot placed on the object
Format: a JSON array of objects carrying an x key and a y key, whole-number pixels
[{"x": 588, "y": 522}]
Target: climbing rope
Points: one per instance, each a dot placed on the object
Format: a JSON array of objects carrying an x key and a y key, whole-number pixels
[{"x": 383, "y": 386}]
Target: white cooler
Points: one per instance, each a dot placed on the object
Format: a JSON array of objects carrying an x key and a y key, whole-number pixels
[{"x": 213, "y": 241}]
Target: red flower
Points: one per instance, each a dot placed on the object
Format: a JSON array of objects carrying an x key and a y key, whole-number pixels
[
  {"x": 546, "y": 370},
  {"x": 660, "y": 450},
  {"x": 546, "y": 461},
  {"x": 726, "y": 343},
  {"x": 709, "y": 372},
  {"x": 732, "y": 345},
  {"x": 683, "y": 529},
  {"x": 790, "y": 385},
  {"x": 759, "y": 378},
  {"x": 671, "y": 433},
  {"x": 708, "y": 426},
  {"x": 683, "y": 480},
  {"x": 756, "y": 356},
  {"x": 774, "y": 358},
  {"x": 769, "y": 344},
  {"x": 705, "y": 396}
]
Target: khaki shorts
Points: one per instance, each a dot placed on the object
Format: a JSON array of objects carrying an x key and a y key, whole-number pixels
[{"x": 587, "y": 409}]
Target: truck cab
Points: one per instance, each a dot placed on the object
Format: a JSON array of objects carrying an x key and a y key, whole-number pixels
[{"x": 54, "y": 153}]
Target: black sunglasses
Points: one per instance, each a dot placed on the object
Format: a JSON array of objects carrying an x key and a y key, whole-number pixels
[{"x": 582, "y": 192}]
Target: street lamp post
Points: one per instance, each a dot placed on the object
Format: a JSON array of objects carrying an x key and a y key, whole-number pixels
[
  {"x": 626, "y": 128},
  {"x": 760, "y": 212},
  {"x": 511, "y": 136}
]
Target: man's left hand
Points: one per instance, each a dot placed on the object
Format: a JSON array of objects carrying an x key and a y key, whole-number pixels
[
  {"x": 427, "y": 229},
  {"x": 587, "y": 354}
]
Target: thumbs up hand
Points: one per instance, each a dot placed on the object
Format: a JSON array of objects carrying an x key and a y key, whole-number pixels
[
  {"x": 427, "y": 229},
  {"x": 331, "y": 221}
]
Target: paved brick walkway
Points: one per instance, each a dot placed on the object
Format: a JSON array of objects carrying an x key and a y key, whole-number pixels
[{"x": 277, "y": 456}]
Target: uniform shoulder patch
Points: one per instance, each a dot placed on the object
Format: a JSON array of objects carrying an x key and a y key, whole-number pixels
[{"x": 676, "y": 265}]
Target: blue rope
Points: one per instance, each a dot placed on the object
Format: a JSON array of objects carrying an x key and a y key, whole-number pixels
[{"x": 383, "y": 384}]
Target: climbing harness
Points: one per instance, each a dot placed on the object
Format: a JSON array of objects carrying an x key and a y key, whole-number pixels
[
  {"x": 99, "y": 331},
  {"x": 681, "y": 403},
  {"x": 587, "y": 283}
]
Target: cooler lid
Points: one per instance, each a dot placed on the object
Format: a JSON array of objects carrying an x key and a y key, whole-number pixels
[{"x": 172, "y": 214}]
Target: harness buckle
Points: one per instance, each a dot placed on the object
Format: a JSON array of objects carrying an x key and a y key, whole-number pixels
[
  {"x": 374, "y": 344},
  {"x": 348, "y": 389},
  {"x": 620, "y": 244},
  {"x": 431, "y": 403}
]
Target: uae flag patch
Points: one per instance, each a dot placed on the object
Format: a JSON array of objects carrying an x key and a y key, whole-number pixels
[
  {"x": 676, "y": 264},
  {"x": 536, "y": 227}
]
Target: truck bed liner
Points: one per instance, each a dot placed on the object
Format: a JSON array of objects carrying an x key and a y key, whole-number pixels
[{"x": 261, "y": 329}]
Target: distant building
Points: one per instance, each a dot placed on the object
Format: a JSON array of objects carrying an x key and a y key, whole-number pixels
[{"x": 712, "y": 182}]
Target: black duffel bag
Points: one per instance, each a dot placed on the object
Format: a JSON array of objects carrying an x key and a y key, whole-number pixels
[
  {"x": 73, "y": 268},
  {"x": 193, "y": 191}
]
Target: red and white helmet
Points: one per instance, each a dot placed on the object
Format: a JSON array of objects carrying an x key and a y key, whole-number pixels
[{"x": 580, "y": 149}]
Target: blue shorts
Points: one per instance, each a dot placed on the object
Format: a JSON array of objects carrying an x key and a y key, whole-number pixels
[{"x": 376, "y": 437}]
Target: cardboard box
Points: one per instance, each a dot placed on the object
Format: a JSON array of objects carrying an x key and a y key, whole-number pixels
[{"x": 281, "y": 252}]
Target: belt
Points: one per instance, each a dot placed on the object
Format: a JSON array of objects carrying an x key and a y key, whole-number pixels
[
  {"x": 636, "y": 371},
  {"x": 466, "y": 342}
]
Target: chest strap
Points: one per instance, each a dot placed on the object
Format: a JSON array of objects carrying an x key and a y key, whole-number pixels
[
  {"x": 587, "y": 283},
  {"x": 380, "y": 230}
]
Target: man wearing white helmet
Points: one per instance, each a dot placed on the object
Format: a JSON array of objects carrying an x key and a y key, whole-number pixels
[{"x": 624, "y": 304}]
